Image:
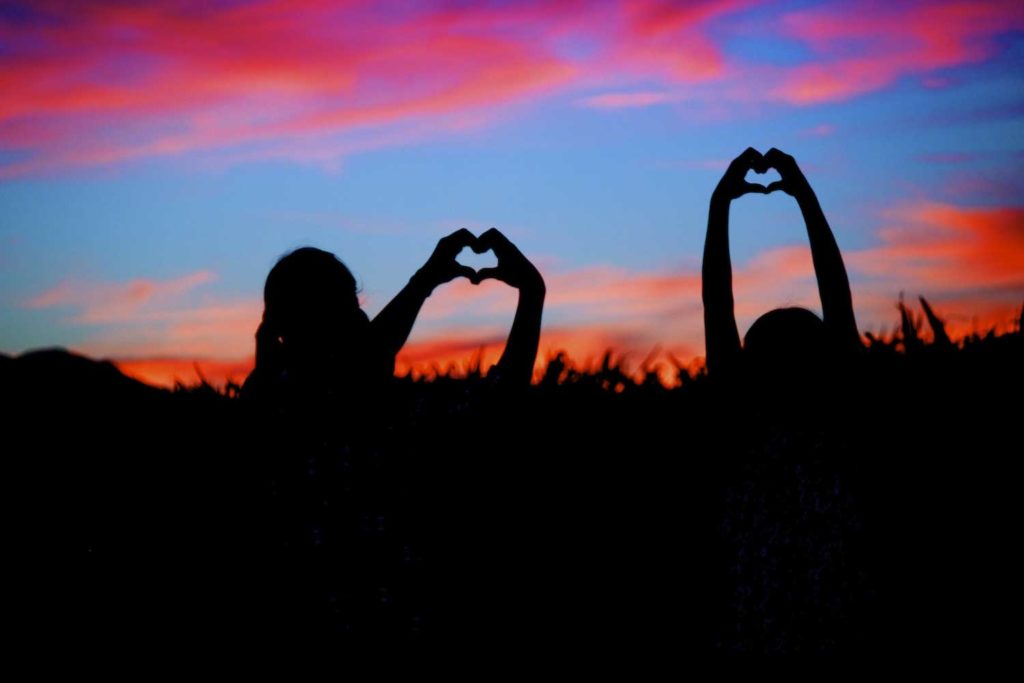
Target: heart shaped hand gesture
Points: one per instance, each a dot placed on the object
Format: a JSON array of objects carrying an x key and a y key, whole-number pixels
[
  {"x": 513, "y": 268},
  {"x": 734, "y": 185}
]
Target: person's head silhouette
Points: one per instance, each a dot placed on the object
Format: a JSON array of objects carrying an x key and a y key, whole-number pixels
[
  {"x": 787, "y": 335},
  {"x": 789, "y": 346},
  {"x": 314, "y": 335}
]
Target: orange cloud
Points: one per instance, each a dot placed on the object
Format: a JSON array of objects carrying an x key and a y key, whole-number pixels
[
  {"x": 968, "y": 262},
  {"x": 948, "y": 248}
]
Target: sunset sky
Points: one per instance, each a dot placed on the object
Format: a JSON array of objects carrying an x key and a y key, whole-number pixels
[{"x": 157, "y": 157}]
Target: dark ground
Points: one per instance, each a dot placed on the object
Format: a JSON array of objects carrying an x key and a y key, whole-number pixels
[{"x": 875, "y": 516}]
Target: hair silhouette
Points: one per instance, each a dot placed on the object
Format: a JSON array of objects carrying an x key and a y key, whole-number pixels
[
  {"x": 791, "y": 339},
  {"x": 312, "y": 329}
]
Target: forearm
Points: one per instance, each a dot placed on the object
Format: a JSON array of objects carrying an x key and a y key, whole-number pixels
[
  {"x": 516, "y": 364},
  {"x": 721, "y": 336},
  {"x": 833, "y": 282},
  {"x": 717, "y": 264},
  {"x": 393, "y": 325}
]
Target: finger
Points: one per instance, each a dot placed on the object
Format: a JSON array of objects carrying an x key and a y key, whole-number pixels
[
  {"x": 464, "y": 271},
  {"x": 779, "y": 160},
  {"x": 494, "y": 240},
  {"x": 753, "y": 188},
  {"x": 457, "y": 241},
  {"x": 752, "y": 158},
  {"x": 460, "y": 235},
  {"x": 742, "y": 161},
  {"x": 750, "y": 155},
  {"x": 776, "y": 185},
  {"x": 760, "y": 164}
]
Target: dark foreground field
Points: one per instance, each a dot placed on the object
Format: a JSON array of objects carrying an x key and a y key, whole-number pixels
[{"x": 876, "y": 515}]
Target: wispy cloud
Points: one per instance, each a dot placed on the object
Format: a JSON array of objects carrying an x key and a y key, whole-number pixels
[
  {"x": 628, "y": 100},
  {"x": 865, "y": 46},
  {"x": 820, "y": 131},
  {"x": 948, "y": 248},
  {"x": 154, "y": 317},
  {"x": 106, "y": 302}
]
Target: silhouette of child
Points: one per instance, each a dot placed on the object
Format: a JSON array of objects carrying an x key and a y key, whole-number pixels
[
  {"x": 789, "y": 340},
  {"x": 316, "y": 342},
  {"x": 793, "y": 513}
]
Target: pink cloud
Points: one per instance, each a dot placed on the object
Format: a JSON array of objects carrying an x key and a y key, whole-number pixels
[
  {"x": 106, "y": 82},
  {"x": 819, "y": 131},
  {"x": 214, "y": 330},
  {"x": 627, "y": 100},
  {"x": 101, "y": 303},
  {"x": 667, "y": 39},
  {"x": 155, "y": 318},
  {"x": 862, "y": 47}
]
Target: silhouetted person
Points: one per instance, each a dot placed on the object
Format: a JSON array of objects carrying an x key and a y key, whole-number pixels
[
  {"x": 793, "y": 339},
  {"x": 345, "y": 485},
  {"x": 315, "y": 340},
  {"x": 789, "y": 446}
]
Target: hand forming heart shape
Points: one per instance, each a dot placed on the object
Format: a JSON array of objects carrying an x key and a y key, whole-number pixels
[
  {"x": 734, "y": 184},
  {"x": 513, "y": 268}
]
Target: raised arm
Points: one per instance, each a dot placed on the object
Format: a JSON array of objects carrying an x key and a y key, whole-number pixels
[
  {"x": 721, "y": 336},
  {"x": 833, "y": 284},
  {"x": 514, "y": 269},
  {"x": 393, "y": 324}
]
